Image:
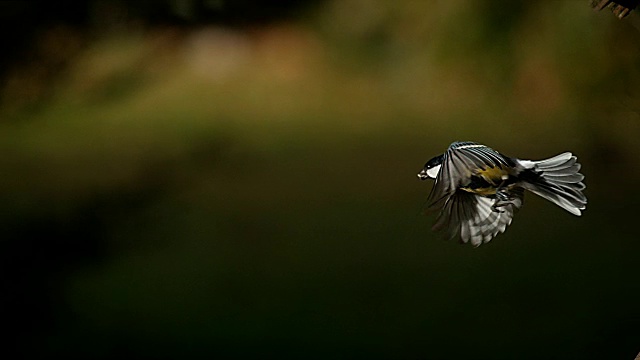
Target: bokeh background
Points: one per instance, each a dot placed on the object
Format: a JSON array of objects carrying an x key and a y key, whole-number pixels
[{"x": 237, "y": 178}]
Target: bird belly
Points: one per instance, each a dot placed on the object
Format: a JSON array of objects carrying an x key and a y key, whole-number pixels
[
  {"x": 483, "y": 191},
  {"x": 487, "y": 181},
  {"x": 493, "y": 175}
]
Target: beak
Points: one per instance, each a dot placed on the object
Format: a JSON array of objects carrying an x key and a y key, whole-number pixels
[{"x": 422, "y": 175}]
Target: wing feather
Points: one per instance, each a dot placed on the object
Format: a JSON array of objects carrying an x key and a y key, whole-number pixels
[
  {"x": 471, "y": 218},
  {"x": 460, "y": 159}
]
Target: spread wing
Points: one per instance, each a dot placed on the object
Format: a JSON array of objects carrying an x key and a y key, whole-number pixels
[
  {"x": 471, "y": 218},
  {"x": 459, "y": 162}
]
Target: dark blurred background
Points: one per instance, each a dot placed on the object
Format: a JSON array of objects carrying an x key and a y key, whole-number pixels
[{"x": 237, "y": 178}]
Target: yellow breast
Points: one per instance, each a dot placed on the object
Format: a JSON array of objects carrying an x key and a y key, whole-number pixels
[
  {"x": 493, "y": 175},
  {"x": 481, "y": 191}
]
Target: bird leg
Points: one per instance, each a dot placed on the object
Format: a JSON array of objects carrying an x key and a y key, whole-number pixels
[{"x": 503, "y": 198}]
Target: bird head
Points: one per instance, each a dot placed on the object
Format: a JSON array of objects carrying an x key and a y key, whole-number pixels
[{"x": 431, "y": 168}]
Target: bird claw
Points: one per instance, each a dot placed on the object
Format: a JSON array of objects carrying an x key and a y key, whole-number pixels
[{"x": 502, "y": 200}]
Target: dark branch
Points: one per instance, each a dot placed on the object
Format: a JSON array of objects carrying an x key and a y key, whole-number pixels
[{"x": 620, "y": 8}]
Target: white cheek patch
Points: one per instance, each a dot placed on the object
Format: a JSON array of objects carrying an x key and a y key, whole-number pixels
[{"x": 433, "y": 172}]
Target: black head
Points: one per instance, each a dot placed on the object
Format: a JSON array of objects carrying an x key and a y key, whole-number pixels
[{"x": 431, "y": 168}]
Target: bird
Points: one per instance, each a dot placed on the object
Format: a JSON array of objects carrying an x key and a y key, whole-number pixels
[{"x": 478, "y": 190}]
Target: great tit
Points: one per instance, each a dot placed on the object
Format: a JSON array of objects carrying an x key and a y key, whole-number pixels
[{"x": 477, "y": 190}]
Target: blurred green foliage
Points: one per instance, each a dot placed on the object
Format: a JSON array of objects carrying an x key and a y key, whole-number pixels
[{"x": 250, "y": 191}]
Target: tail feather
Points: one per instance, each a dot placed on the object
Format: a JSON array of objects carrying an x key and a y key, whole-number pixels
[
  {"x": 569, "y": 178},
  {"x": 563, "y": 159},
  {"x": 560, "y": 182},
  {"x": 559, "y": 171},
  {"x": 563, "y": 197}
]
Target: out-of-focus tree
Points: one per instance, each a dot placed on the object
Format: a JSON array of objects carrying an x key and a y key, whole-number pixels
[{"x": 37, "y": 39}]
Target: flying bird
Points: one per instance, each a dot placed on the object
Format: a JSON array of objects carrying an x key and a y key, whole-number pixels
[{"x": 477, "y": 190}]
